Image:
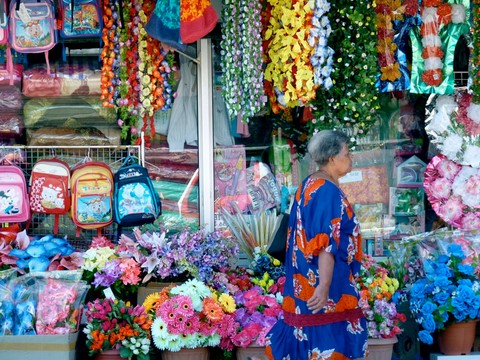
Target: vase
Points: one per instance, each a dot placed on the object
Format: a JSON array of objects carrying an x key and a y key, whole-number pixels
[
  {"x": 380, "y": 349},
  {"x": 252, "y": 351},
  {"x": 108, "y": 355},
  {"x": 458, "y": 338},
  {"x": 200, "y": 353}
]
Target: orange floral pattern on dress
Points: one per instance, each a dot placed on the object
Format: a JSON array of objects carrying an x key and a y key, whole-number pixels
[
  {"x": 268, "y": 352},
  {"x": 346, "y": 302},
  {"x": 288, "y": 304},
  {"x": 192, "y": 10},
  {"x": 312, "y": 186},
  {"x": 301, "y": 288},
  {"x": 312, "y": 278},
  {"x": 319, "y": 242}
]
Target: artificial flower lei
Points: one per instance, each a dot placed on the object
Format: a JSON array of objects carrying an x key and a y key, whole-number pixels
[
  {"x": 353, "y": 100},
  {"x": 136, "y": 72},
  {"x": 289, "y": 74},
  {"x": 387, "y": 12},
  {"x": 242, "y": 58},
  {"x": 322, "y": 58},
  {"x": 443, "y": 23},
  {"x": 475, "y": 73}
]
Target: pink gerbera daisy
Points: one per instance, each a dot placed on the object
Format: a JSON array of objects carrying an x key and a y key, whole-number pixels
[{"x": 184, "y": 305}]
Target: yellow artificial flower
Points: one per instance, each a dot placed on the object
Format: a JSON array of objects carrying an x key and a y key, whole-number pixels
[
  {"x": 391, "y": 72},
  {"x": 227, "y": 302}
]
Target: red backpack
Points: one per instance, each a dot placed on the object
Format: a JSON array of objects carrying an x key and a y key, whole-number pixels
[{"x": 50, "y": 188}]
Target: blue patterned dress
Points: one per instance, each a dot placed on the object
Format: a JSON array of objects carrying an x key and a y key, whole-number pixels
[{"x": 321, "y": 218}]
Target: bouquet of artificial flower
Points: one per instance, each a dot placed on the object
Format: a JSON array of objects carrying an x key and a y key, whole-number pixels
[
  {"x": 109, "y": 266},
  {"x": 185, "y": 254},
  {"x": 459, "y": 297},
  {"x": 114, "y": 324},
  {"x": 257, "y": 312},
  {"x": 376, "y": 291},
  {"x": 190, "y": 316}
]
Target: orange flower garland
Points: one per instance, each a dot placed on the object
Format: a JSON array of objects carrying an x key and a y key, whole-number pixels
[{"x": 388, "y": 11}]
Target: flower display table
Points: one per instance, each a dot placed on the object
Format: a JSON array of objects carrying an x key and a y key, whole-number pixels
[{"x": 472, "y": 356}]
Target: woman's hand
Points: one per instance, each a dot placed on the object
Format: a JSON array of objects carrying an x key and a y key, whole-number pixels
[{"x": 318, "y": 300}]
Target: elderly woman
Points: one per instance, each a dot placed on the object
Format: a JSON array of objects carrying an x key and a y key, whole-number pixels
[{"x": 322, "y": 319}]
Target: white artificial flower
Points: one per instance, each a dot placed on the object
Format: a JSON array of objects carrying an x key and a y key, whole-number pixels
[
  {"x": 472, "y": 156},
  {"x": 429, "y": 14},
  {"x": 467, "y": 186},
  {"x": 433, "y": 63},
  {"x": 439, "y": 123},
  {"x": 431, "y": 40},
  {"x": 446, "y": 101},
  {"x": 473, "y": 112},
  {"x": 458, "y": 14},
  {"x": 451, "y": 146}
]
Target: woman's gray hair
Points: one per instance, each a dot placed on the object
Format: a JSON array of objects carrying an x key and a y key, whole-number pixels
[{"x": 326, "y": 144}]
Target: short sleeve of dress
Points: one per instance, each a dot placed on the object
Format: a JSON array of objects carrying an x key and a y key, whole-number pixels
[{"x": 321, "y": 216}]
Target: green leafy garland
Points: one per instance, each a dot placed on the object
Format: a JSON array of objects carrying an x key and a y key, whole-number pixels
[
  {"x": 353, "y": 100},
  {"x": 475, "y": 74}
]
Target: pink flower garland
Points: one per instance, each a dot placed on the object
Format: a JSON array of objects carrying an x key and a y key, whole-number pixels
[{"x": 454, "y": 192}]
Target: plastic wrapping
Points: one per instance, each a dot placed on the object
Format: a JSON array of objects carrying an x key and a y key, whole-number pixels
[
  {"x": 67, "y": 80},
  {"x": 11, "y": 125},
  {"x": 262, "y": 188},
  {"x": 67, "y": 112},
  {"x": 5, "y": 75},
  {"x": 451, "y": 190},
  {"x": 10, "y": 99},
  {"x": 6, "y": 311},
  {"x": 433, "y": 47},
  {"x": 25, "y": 298},
  {"x": 39, "y": 82},
  {"x": 59, "y": 304},
  {"x": 51, "y": 136}
]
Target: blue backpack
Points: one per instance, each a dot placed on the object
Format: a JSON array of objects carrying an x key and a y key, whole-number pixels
[
  {"x": 80, "y": 19},
  {"x": 135, "y": 200}
]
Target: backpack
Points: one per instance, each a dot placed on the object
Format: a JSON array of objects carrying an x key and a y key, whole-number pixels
[
  {"x": 80, "y": 18},
  {"x": 14, "y": 207},
  {"x": 50, "y": 188},
  {"x": 32, "y": 27},
  {"x": 136, "y": 202},
  {"x": 92, "y": 192},
  {"x": 3, "y": 23}
]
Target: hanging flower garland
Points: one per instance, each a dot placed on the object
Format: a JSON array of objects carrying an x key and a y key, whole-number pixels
[
  {"x": 352, "y": 101},
  {"x": 453, "y": 191},
  {"x": 322, "y": 58},
  {"x": 388, "y": 11},
  {"x": 289, "y": 74},
  {"x": 242, "y": 58},
  {"x": 110, "y": 54},
  {"x": 455, "y": 128},
  {"x": 135, "y": 75},
  {"x": 475, "y": 73},
  {"x": 442, "y": 25}
]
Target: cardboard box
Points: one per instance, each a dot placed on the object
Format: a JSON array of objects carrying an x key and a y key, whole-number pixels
[
  {"x": 152, "y": 287},
  {"x": 38, "y": 347}
]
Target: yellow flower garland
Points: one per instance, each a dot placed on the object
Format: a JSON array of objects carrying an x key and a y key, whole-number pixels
[{"x": 289, "y": 69}]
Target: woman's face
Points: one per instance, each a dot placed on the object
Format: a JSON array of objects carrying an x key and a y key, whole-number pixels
[{"x": 343, "y": 161}]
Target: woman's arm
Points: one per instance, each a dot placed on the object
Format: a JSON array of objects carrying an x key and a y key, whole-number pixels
[{"x": 325, "y": 270}]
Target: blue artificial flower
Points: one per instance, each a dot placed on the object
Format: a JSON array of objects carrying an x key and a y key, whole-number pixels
[
  {"x": 466, "y": 269},
  {"x": 441, "y": 297},
  {"x": 428, "y": 323},
  {"x": 425, "y": 337},
  {"x": 456, "y": 251},
  {"x": 441, "y": 281}
]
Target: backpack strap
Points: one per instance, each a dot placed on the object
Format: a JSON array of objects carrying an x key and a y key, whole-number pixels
[
  {"x": 10, "y": 71},
  {"x": 55, "y": 224}
]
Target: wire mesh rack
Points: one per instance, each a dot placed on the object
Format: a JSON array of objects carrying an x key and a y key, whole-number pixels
[{"x": 26, "y": 156}]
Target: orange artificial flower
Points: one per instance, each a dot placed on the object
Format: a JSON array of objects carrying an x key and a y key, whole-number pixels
[
  {"x": 391, "y": 72},
  {"x": 432, "y": 51},
  {"x": 444, "y": 13},
  {"x": 432, "y": 77},
  {"x": 431, "y": 3}
]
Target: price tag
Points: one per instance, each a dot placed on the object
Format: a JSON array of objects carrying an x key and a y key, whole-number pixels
[
  {"x": 109, "y": 294},
  {"x": 23, "y": 14}
]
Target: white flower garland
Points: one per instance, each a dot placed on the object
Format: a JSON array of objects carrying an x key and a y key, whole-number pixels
[{"x": 322, "y": 58}]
